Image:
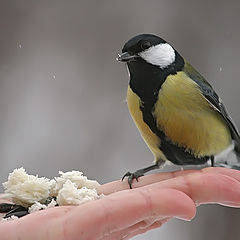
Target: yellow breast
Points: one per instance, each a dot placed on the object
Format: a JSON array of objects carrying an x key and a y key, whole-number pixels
[
  {"x": 149, "y": 137},
  {"x": 187, "y": 119}
]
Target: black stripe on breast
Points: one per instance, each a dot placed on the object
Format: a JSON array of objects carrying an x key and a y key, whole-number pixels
[
  {"x": 175, "y": 154},
  {"x": 146, "y": 81}
]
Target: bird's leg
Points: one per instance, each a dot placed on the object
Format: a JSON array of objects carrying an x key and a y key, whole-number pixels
[
  {"x": 212, "y": 161},
  {"x": 141, "y": 172},
  {"x": 224, "y": 164}
]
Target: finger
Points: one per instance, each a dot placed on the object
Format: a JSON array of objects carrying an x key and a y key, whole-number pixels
[
  {"x": 4, "y": 200},
  {"x": 119, "y": 185},
  {"x": 113, "y": 213},
  {"x": 155, "y": 225},
  {"x": 46, "y": 224},
  {"x": 153, "y": 178},
  {"x": 205, "y": 196},
  {"x": 136, "y": 229},
  {"x": 126, "y": 208},
  {"x": 225, "y": 171},
  {"x": 205, "y": 188}
]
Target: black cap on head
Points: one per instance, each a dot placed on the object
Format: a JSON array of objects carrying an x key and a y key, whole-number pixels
[{"x": 141, "y": 42}]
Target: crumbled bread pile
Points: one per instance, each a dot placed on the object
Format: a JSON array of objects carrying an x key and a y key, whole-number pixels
[{"x": 70, "y": 188}]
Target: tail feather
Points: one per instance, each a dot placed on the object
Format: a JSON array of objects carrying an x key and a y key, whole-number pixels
[
  {"x": 236, "y": 167},
  {"x": 230, "y": 158},
  {"x": 237, "y": 152},
  {"x": 227, "y": 165},
  {"x": 237, "y": 148}
]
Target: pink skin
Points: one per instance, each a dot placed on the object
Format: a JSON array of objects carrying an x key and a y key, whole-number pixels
[{"x": 124, "y": 213}]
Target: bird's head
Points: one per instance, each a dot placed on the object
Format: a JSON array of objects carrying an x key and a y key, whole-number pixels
[{"x": 149, "y": 48}]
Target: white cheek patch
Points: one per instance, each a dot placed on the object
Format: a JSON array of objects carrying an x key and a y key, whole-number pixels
[{"x": 161, "y": 55}]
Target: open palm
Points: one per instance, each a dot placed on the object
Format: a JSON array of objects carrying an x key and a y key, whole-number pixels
[{"x": 124, "y": 213}]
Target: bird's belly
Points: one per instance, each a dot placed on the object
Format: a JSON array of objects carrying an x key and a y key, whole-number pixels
[
  {"x": 149, "y": 137},
  {"x": 187, "y": 119}
]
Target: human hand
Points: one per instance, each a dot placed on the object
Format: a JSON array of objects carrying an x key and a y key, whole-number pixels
[{"x": 124, "y": 213}]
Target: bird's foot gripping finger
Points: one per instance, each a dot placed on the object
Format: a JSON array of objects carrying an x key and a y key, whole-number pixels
[
  {"x": 132, "y": 176},
  {"x": 141, "y": 172}
]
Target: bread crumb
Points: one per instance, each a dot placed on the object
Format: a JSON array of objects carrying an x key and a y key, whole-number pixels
[
  {"x": 70, "y": 188},
  {"x": 10, "y": 218},
  {"x": 25, "y": 189},
  {"x": 70, "y": 194},
  {"x": 75, "y": 177},
  {"x": 39, "y": 206}
]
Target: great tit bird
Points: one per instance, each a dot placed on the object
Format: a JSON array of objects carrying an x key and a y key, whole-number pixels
[{"x": 179, "y": 115}]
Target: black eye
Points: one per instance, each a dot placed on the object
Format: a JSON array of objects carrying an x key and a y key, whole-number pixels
[{"x": 145, "y": 45}]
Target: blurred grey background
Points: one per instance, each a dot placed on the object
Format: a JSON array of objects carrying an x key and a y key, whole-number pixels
[{"x": 62, "y": 93}]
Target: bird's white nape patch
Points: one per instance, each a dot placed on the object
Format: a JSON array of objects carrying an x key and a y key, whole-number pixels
[{"x": 161, "y": 55}]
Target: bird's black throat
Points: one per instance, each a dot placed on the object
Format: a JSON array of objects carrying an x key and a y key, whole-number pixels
[{"x": 146, "y": 79}]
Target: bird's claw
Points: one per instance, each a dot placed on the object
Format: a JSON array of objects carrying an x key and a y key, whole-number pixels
[{"x": 132, "y": 176}]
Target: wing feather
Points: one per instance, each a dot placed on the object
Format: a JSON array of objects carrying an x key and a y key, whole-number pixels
[{"x": 213, "y": 99}]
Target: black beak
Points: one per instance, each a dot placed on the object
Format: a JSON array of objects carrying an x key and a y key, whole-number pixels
[{"x": 126, "y": 57}]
